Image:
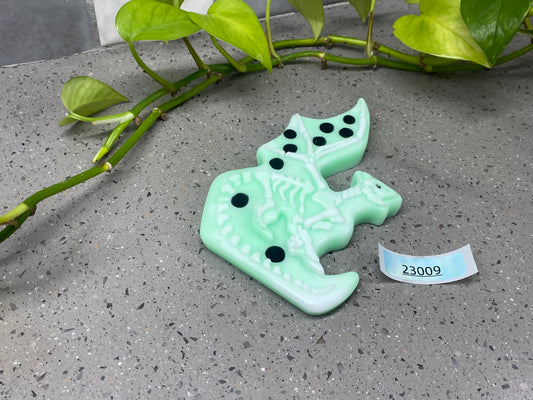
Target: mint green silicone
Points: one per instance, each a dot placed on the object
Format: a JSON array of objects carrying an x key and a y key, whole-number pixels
[{"x": 275, "y": 220}]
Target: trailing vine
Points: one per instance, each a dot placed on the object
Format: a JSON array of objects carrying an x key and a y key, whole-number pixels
[{"x": 446, "y": 36}]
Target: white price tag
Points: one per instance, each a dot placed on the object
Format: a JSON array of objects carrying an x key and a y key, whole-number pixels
[{"x": 436, "y": 269}]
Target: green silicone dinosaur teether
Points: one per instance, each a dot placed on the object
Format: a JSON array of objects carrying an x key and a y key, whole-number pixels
[{"x": 275, "y": 220}]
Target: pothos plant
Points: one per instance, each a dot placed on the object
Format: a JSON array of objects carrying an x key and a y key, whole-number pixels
[{"x": 446, "y": 35}]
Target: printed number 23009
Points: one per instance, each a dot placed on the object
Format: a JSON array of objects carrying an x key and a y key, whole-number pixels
[{"x": 421, "y": 271}]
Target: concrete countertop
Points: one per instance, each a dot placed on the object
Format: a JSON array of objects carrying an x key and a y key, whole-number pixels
[{"x": 107, "y": 292}]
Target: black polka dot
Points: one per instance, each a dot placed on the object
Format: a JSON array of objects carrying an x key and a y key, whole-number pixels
[
  {"x": 290, "y": 148},
  {"x": 289, "y": 134},
  {"x": 319, "y": 141},
  {"x": 346, "y": 132},
  {"x": 326, "y": 127},
  {"x": 349, "y": 119},
  {"x": 239, "y": 200},
  {"x": 276, "y": 163},
  {"x": 275, "y": 254}
]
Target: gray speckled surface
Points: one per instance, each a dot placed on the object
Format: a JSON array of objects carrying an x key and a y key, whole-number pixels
[
  {"x": 42, "y": 30},
  {"x": 108, "y": 293}
]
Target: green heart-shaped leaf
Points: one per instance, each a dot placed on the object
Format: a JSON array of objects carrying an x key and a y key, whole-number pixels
[
  {"x": 153, "y": 20},
  {"x": 440, "y": 30},
  {"x": 493, "y": 23},
  {"x": 84, "y": 96},
  {"x": 362, "y": 7},
  {"x": 234, "y": 22},
  {"x": 313, "y": 12}
]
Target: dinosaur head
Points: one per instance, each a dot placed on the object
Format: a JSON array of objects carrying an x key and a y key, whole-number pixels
[
  {"x": 333, "y": 144},
  {"x": 382, "y": 197}
]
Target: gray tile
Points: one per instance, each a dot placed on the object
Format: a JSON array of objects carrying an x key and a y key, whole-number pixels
[
  {"x": 39, "y": 30},
  {"x": 42, "y": 30}
]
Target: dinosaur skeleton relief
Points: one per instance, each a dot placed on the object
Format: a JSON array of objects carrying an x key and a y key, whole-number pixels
[{"x": 276, "y": 220}]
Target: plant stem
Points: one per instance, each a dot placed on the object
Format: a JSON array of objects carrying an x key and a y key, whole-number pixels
[
  {"x": 169, "y": 105},
  {"x": 108, "y": 119},
  {"x": 163, "y": 82},
  {"x": 20, "y": 213},
  {"x": 347, "y": 40},
  {"x": 514, "y": 54},
  {"x": 369, "y": 40},
  {"x": 419, "y": 64},
  {"x": 28, "y": 205},
  {"x": 14, "y": 225},
  {"x": 292, "y": 43},
  {"x": 415, "y": 60},
  {"x": 141, "y": 105},
  {"x": 199, "y": 63},
  {"x": 410, "y": 59},
  {"x": 269, "y": 35},
  {"x": 31, "y": 202},
  {"x": 231, "y": 60},
  {"x": 370, "y": 61},
  {"x": 134, "y": 138},
  {"x": 527, "y": 32},
  {"x": 113, "y": 136}
]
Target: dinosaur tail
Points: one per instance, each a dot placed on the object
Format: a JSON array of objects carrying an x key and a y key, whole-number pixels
[
  {"x": 291, "y": 277},
  {"x": 329, "y": 292}
]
